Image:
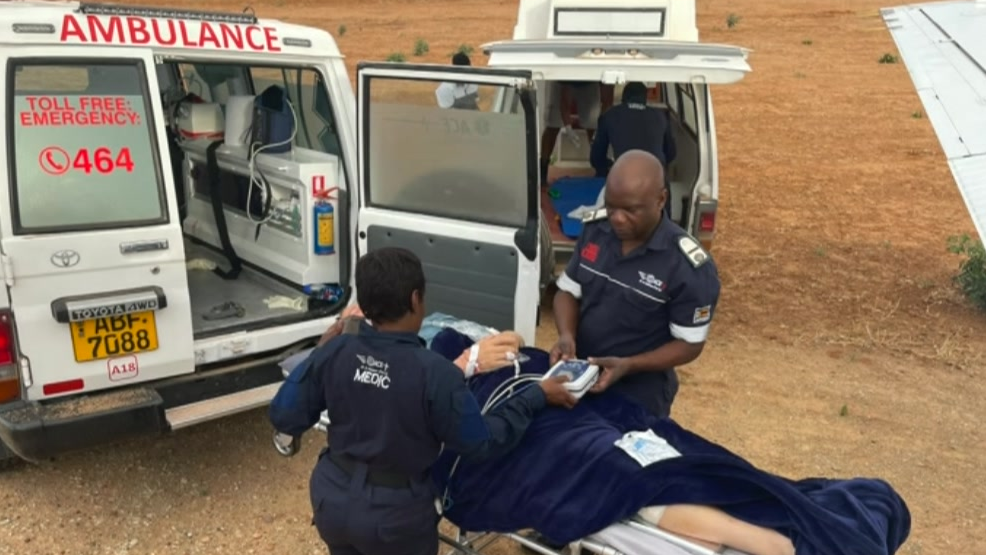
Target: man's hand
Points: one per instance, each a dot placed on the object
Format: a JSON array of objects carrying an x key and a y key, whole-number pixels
[
  {"x": 556, "y": 393},
  {"x": 564, "y": 349},
  {"x": 613, "y": 370}
]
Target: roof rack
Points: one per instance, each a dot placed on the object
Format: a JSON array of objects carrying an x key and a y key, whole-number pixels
[{"x": 167, "y": 13}]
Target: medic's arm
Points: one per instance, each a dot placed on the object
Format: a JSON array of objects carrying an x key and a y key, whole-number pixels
[
  {"x": 300, "y": 400},
  {"x": 456, "y": 418}
]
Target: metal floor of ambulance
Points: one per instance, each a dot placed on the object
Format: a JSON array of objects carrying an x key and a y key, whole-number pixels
[{"x": 241, "y": 300}]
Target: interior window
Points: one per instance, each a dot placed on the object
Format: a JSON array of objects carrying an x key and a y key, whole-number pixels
[
  {"x": 687, "y": 111},
  {"x": 83, "y": 150},
  {"x": 444, "y": 149},
  {"x": 670, "y": 95},
  {"x": 304, "y": 86}
]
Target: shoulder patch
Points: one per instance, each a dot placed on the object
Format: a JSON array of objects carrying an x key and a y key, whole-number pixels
[
  {"x": 594, "y": 215},
  {"x": 693, "y": 250}
]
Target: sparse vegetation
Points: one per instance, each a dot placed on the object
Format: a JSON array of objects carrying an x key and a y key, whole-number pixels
[
  {"x": 917, "y": 114},
  {"x": 342, "y": 30},
  {"x": 732, "y": 20},
  {"x": 465, "y": 49},
  {"x": 396, "y": 57},
  {"x": 888, "y": 59},
  {"x": 807, "y": 42},
  {"x": 971, "y": 277},
  {"x": 421, "y": 47}
]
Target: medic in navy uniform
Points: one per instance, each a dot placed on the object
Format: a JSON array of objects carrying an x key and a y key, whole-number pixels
[
  {"x": 639, "y": 293},
  {"x": 392, "y": 405},
  {"x": 632, "y": 125}
]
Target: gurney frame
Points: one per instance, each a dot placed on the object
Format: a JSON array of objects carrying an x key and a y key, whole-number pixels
[{"x": 465, "y": 543}]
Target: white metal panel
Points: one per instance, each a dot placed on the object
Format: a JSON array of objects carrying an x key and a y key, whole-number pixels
[
  {"x": 632, "y": 60},
  {"x": 970, "y": 174},
  {"x": 943, "y": 46}
]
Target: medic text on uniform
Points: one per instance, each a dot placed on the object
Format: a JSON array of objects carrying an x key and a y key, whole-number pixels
[
  {"x": 372, "y": 372},
  {"x": 142, "y": 31}
]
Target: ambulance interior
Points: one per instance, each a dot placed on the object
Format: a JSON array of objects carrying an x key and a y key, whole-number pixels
[
  {"x": 570, "y": 157},
  {"x": 274, "y": 215}
]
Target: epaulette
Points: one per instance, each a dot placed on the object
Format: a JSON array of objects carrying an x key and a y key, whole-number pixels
[
  {"x": 594, "y": 215},
  {"x": 693, "y": 250}
]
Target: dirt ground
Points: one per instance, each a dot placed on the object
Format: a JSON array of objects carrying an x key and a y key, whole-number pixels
[{"x": 840, "y": 347}]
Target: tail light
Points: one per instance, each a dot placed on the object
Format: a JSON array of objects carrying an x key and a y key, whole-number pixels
[
  {"x": 707, "y": 222},
  {"x": 10, "y": 384}
]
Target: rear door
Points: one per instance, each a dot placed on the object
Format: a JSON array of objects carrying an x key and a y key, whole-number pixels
[
  {"x": 91, "y": 244},
  {"x": 617, "y": 61},
  {"x": 457, "y": 185}
]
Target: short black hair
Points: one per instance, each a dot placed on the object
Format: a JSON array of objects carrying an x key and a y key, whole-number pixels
[
  {"x": 461, "y": 59},
  {"x": 635, "y": 91},
  {"x": 385, "y": 280}
]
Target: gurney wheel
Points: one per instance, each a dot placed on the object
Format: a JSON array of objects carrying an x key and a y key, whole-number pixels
[{"x": 286, "y": 447}]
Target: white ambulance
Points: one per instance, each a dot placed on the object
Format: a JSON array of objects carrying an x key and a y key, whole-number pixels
[
  {"x": 184, "y": 195},
  {"x": 621, "y": 41}
]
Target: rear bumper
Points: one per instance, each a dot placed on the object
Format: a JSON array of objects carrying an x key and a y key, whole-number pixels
[{"x": 36, "y": 432}]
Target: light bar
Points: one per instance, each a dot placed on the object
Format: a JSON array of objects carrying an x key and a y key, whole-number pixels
[
  {"x": 615, "y": 22},
  {"x": 167, "y": 13}
]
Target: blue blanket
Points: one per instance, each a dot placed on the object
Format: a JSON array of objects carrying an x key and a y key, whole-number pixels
[{"x": 567, "y": 480}]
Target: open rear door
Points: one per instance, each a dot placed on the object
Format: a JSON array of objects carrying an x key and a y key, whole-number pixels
[
  {"x": 451, "y": 175},
  {"x": 616, "y": 61},
  {"x": 91, "y": 244},
  {"x": 943, "y": 46}
]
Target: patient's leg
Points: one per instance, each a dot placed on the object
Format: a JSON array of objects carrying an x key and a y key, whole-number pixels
[{"x": 710, "y": 525}]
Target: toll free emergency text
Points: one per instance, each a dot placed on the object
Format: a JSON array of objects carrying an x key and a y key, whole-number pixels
[{"x": 80, "y": 111}]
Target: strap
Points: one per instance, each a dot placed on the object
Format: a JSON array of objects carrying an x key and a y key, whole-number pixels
[
  {"x": 375, "y": 477},
  {"x": 351, "y": 325},
  {"x": 219, "y": 213},
  {"x": 472, "y": 365}
]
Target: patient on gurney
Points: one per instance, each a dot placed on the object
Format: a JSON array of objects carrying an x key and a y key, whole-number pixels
[{"x": 569, "y": 478}]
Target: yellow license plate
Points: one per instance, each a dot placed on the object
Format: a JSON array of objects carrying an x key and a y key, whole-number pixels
[{"x": 114, "y": 336}]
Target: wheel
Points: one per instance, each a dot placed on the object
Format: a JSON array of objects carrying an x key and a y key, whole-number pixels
[{"x": 287, "y": 446}]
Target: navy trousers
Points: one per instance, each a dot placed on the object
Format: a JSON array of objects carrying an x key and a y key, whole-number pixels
[{"x": 354, "y": 517}]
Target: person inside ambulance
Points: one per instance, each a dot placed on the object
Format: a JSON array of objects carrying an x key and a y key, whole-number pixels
[
  {"x": 393, "y": 406},
  {"x": 463, "y": 96},
  {"x": 632, "y": 125}
]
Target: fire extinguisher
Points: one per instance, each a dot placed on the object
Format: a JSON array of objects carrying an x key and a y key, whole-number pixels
[{"x": 324, "y": 218}]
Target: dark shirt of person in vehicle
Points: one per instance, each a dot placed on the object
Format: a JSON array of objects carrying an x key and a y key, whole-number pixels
[{"x": 632, "y": 125}]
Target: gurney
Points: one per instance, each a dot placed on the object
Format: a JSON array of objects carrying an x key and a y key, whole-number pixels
[
  {"x": 630, "y": 537},
  {"x": 859, "y": 516}
]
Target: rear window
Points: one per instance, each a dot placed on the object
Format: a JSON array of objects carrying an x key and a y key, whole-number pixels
[
  {"x": 447, "y": 149},
  {"x": 82, "y": 147}
]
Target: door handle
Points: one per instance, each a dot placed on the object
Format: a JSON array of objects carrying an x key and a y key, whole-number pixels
[{"x": 133, "y": 247}]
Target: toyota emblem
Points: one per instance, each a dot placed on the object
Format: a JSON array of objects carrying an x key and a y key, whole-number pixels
[{"x": 65, "y": 259}]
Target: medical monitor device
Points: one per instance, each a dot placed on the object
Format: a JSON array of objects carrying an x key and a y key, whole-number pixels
[{"x": 582, "y": 375}]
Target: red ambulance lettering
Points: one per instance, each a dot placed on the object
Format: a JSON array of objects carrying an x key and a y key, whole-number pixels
[
  {"x": 167, "y": 32},
  {"x": 83, "y": 111}
]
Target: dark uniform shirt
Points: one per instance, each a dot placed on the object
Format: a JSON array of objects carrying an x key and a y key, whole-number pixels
[
  {"x": 632, "y": 126},
  {"x": 630, "y": 304},
  {"x": 392, "y": 404}
]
